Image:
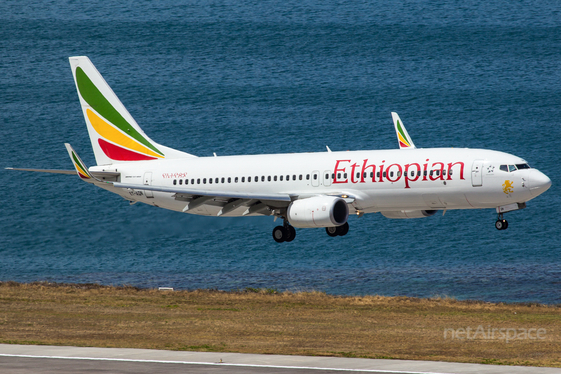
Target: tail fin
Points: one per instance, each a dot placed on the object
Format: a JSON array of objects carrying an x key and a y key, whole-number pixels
[
  {"x": 114, "y": 133},
  {"x": 403, "y": 137}
]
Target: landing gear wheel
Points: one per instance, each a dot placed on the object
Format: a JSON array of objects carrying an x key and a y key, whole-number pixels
[
  {"x": 343, "y": 229},
  {"x": 332, "y": 231},
  {"x": 501, "y": 224},
  {"x": 291, "y": 234},
  {"x": 280, "y": 234}
]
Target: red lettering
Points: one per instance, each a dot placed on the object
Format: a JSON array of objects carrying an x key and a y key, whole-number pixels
[
  {"x": 337, "y": 170},
  {"x": 363, "y": 171},
  {"x": 416, "y": 173},
  {"x": 353, "y": 167},
  {"x": 389, "y": 173},
  {"x": 450, "y": 169},
  {"x": 425, "y": 172},
  {"x": 439, "y": 176}
]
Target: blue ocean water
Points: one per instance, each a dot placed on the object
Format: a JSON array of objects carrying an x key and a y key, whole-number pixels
[{"x": 251, "y": 77}]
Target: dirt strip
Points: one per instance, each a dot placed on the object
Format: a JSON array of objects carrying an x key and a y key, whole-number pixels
[{"x": 266, "y": 321}]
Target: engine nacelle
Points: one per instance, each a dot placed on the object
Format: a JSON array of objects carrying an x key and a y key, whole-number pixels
[
  {"x": 409, "y": 213},
  {"x": 318, "y": 211}
]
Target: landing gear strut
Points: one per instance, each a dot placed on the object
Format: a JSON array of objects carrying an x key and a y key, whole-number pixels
[
  {"x": 501, "y": 223},
  {"x": 338, "y": 230},
  {"x": 285, "y": 233}
]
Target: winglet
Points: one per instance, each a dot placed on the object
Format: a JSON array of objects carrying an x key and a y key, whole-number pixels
[
  {"x": 403, "y": 137},
  {"x": 79, "y": 165}
]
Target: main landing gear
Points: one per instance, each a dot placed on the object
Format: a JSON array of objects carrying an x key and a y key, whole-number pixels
[
  {"x": 338, "y": 230},
  {"x": 285, "y": 233},
  {"x": 501, "y": 224}
]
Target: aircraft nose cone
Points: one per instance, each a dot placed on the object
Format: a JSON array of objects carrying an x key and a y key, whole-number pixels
[{"x": 539, "y": 182}]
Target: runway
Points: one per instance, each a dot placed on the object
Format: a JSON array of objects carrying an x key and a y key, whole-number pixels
[{"x": 54, "y": 359}]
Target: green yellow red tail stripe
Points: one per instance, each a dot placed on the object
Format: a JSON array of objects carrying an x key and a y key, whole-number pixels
[{"x": 118, "y": 139}]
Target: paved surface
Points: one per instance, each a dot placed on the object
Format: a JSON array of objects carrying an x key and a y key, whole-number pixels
[{"x": 51, "y": 359}]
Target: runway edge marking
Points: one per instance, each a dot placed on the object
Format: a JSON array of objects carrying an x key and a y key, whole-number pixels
[{"x": 221, "y": 364}]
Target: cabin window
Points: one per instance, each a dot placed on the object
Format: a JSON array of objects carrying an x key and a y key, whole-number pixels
[
  {"x": 345, "y": 175},
  {"x": 180, "y": 181},
  {"x": 412, "y": 173},
  {"x": 198, "y": 180},
  {"x": 216, "y": 180},
  {"x": 418, "y": 173},
  {"x": 222, "y": 180},
  {"x": 425, "y": 173},
  {"x": 269, "y": 178},
  {"x": 443, "y": 172},
  {"x": 326, "y": 176},
  {"x": 371, "y": 174},
  {"x": 437, "y": 172},
  {"x": 378, "y": 175},
  {"x": 186, "y": 181},
  {"x": 294, "y": 177},
  {"x": 256, "y": 179},
  {"x": 280, "y": 178},
  {"x": 300, "y": 177},
  {"x": 431, "y": 172},
  {"x": 275, "y": 178},
  {"x": 332, "y": 175},
  {"x": 384, "y": 174},
  {"x": 248, "y": 179},
  {"x": 391, "y": 174},
  {"x": 450, "y": 172},
  {"x": 307, "y": 177},
  {"x": 262, "y": 178},
  {"x": 287, "y": 178},
  {"x": 210, "y": 180},
  {"x": 364, "y": 175},
  {"x": 174, "y": 182},
  {"x": 339, "y": 176},
  {"x": 236, "y": 180},
  {"x": 229, "y": 180},
  {"x": 315, "y": 177},
  {"x": 204, "y": 180},
  {"x": 243, "y": 179},
  {"x": 357, "y": 175}
]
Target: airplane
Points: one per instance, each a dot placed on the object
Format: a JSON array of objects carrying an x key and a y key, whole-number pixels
[{"x": 305, "y": 190}]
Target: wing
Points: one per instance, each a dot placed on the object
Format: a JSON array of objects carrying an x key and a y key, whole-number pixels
[
  {"x": 228, "y": 200},
  {"x": 403, "y": 137}
]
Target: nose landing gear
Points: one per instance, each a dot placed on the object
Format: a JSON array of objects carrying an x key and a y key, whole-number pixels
[{"x": 501, "y": 223}]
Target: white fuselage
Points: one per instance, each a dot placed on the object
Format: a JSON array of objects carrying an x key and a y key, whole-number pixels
[{"x": 378, "y": 181}]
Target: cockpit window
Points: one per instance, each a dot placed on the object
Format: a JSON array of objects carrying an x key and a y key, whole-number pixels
[
  {"x": 504, "y": 168},
  {"x": 511, "y": 168},
  {"x": 522, "y": 166}
]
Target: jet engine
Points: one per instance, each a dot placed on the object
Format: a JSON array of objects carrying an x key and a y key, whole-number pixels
[
  {"x": 318, "y": 211},
  {"x": 409, "y": 213}
]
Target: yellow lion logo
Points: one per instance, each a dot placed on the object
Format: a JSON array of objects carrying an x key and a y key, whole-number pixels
[{"x": 508, "y": 187}]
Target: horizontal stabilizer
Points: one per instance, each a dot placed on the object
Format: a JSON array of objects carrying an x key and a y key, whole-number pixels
[{"x": 69, "y": 172}]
